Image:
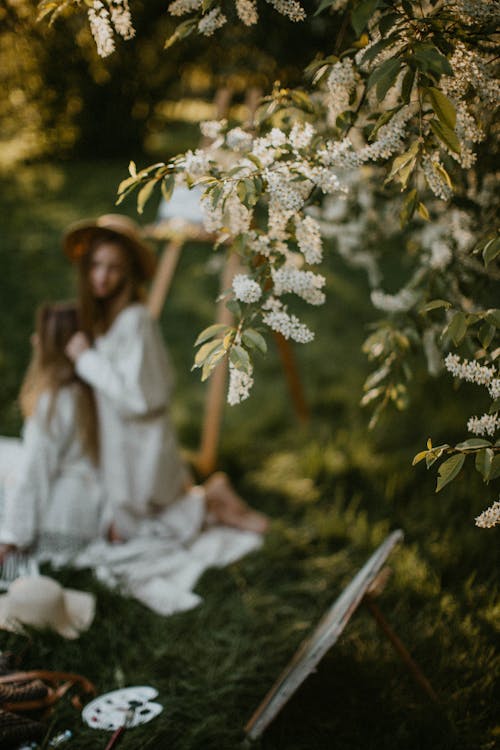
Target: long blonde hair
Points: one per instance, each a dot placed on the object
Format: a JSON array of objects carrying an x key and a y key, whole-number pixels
[
  {"x": 95, "y": 313},
  {"x": 50, "y": 370}
]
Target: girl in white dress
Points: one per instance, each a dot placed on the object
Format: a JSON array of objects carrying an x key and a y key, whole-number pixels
[
  {"x": 55, "y": 502},
  {"x": 120, "y": 353}
]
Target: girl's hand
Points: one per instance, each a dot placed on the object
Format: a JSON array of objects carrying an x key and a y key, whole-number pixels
[{"x": 77, "y": 344}]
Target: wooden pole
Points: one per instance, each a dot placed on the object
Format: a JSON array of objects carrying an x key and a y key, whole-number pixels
[
  {"x": 163, "y": 277},
  {"x": 214, "y": 402},
  {"x": 292, "y": 377},
  {"x": 400, "y": 649}
]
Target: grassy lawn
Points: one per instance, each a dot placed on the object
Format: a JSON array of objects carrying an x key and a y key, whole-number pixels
[{"x": 334, "y": 491}]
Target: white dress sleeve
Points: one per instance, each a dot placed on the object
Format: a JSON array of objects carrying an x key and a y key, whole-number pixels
[
  {"x": 43, "y": 444},
  {"x": 130, "y": 366}
]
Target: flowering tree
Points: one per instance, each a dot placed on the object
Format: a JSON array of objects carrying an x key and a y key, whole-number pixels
[{"x": 396, "y": 128}]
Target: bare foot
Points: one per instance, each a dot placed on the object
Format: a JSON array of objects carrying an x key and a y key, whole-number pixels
[
  {"x": 227, "y": 507},
  {"x": 6, "y": 549}
]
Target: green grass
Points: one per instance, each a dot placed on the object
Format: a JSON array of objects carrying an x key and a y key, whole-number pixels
[{"x": 334, "y": 491}]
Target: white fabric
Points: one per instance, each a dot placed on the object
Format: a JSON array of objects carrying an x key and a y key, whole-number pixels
[
  {"x": 129, "y": 370},
  {"x": 50, "y": 486},
  {"x": 161, "y": 565}
]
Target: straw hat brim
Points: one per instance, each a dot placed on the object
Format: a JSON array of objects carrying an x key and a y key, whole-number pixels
[
  {"x": 79, "y": 237},
  {"x": 79, "y": 607}
]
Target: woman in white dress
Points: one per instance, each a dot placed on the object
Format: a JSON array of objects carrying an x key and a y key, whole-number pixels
[
  {"x": 55, "y": 502},
  {"x": 120, "y": 353}
]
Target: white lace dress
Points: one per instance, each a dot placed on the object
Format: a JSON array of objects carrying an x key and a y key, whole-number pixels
[{"x": 52, "y": 493}]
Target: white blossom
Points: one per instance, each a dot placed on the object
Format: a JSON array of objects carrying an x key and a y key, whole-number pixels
[
  {"x": 489, "y": 517},
  {"x": 238, "y": 139},
  {"x": 301, "y": 135},
  {"x": 240, "y": 384},
  {"x": 488, "y": 424},
  {"x": 290, "y": 8},
  {"x": 341, "y": 82},
  {"x": 308, "y": 234},
  {"x": 304, "y": 284},
  {"x": 121, "y": 18},
  {"x": 212, "y": 128},
  {"x": 403, "y": 301},
  {"x": 435, "y": 179},
  {"x": 441, "y": 255},
  {"x": 471, "y": 371},
  {"x": 211, "y": 21},
  {"x": 289, "y": 326},
  {"x": 100, "y": 26},
  {"x": 247, "y": 11},
  {"x": 246, "y": 289},
  {"x": 182, "y": 7}
]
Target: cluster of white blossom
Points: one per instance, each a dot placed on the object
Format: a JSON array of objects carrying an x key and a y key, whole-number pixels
[
  {"x": 304, "y": 284},
  {"x": 434, "y": 175},
  {"x": 238, "y": 139},
  {"x": 228, "y": 215},
  {"x": 288, "y": 325},
  {"x": 403, "y": 301},
  {"x": 489, "y": 517},
  {"x": 471, "y": 371},
  {"x": 308, "y": 235},
  {"x": 290, "y": 8},
  {"x": 488, "y": 424},
  {"x": 181, "y": 7},
  {"x": 211, "y": 21},
  {"x": 342, "y": 81},
  {"x": 246, "y": 10},
  {"x": 471, "y": 69},
  {"x": 106, "y": 17},
  {"x": 246, "y": 289},
  {"x": 240, "y": 384},
  {"x": 479, "y": 10}
]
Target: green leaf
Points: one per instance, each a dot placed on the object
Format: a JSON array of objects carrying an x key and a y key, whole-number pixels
[
  {"x": 387, "y": 22},
  {"x": 493, "y": 317},
  {"x": 423, "y": 212},
  {"x": 407, "y": 85},
  {"x": 483, "y": 462},
  {"x": 206, "y": 350},
  {"x": 434, "y": 305},
  {"x": 385, "y": 75},
  {"x": 210, "y": 332},
  {"x": 430, "y": 58},
  {"x": 144, "y": 195},
  {"x": 410, "y": 201},
  {"x": 473, "y": 443},
  {"x": 234, "y": 307},
  {"x": 384, "y": 118},
  {"x": 494, "y": 471},
  {"x": 457, "y": 328},
  {"x": 442, "y": 106},
  {"x": 254, "y": 340},
  {"x": 419, "y": 457},
  {"x": 324, "y": 4},
  {"x": 446, "y": 135},
  {"x": 239, "y": 357},
  {"x": 167, "y": 186},
  {"x": 449, "y": 470},
  {"x": 403, "y": 160},
  {"x": 491, "y": 250},
  {"x": 361, "y": 14},
  {"x": 486, "y": 334}
]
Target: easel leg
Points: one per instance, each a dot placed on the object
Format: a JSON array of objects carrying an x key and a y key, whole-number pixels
[
  {"x": 292, "y": 377},
  {"x": 214, "y": 404},
  {"x": 163, "y": 277},
  {"x": 400, "y": 649}
]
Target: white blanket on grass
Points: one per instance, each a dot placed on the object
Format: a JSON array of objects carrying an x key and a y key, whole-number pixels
[{"x": 162, "y": 564}]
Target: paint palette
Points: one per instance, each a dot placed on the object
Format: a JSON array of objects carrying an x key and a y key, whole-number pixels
[{"x": 111, "y": 710}]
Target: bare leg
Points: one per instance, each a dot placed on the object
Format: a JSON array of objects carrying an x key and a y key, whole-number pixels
[{"x": 228, "y": 508}]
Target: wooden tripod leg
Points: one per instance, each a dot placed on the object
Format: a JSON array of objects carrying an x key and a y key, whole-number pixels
[
  {"x": 292, "y": 377},
  {"x": 214, "y": 403},
  {"x": 163, "y": 277},
  {"x": 400, "y": 649}
]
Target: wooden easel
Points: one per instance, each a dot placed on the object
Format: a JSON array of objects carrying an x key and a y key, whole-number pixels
[
  {"x": 206, "y": 459},
  {"x": 364, "y": 588}
]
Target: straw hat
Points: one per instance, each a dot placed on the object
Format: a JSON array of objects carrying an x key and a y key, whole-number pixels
[
  {"x": 79, "y": 236},
  {"x": 40, "y": 601}
]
